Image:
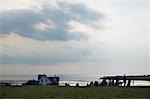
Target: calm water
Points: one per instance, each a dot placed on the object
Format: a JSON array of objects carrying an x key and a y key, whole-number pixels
[{"x": 71, "y": 79}]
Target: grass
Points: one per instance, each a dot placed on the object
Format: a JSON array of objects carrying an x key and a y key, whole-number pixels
[{"x": 55, "y": 92}]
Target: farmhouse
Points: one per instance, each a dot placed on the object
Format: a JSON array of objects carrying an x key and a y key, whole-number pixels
[{"x": 45, "y": 80}]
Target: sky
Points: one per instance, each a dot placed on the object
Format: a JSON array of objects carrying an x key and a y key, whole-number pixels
[{"x": 94, "y": 37}]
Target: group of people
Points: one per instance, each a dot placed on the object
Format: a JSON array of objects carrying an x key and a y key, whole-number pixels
[
  {"x": 110, "y": 83},
  {"x": 116, "y": 81}
]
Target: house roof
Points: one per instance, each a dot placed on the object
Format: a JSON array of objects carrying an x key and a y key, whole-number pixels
[
  {"x": 41, "y": 75},
  {"x": 50, "y": 78}
]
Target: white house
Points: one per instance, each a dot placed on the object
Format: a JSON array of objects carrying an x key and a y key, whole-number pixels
[{"x": 44, "y": 80}]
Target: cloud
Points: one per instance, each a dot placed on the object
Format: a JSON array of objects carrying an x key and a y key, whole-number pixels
[
  {"x": 33, "y": 24},
  {"x": 19, "y": 4},
  {"x": 44, "y": 26},
  {"x": 17, "y": 49},
  {"x": 51, "y": 33}
]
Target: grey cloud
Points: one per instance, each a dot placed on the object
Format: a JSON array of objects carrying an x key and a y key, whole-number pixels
[
  {"x": 70, "y": 56},
  {"x": 86, "y": 15},
  {"x": 22, "y": 21}
]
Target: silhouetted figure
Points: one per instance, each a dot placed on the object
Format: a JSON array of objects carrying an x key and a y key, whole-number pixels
[
  {"x": 124, "y": 80},
  {"x": 77, "y": 85},
  {"x": 88, "y": 85},
  {"x": 129, "y": 82},
  {"x": 66, "y": 84},
  {"x": 91, "y": 84},
  {"x": 120, "y": 83},
  {"x": 104, "y": 83},
  {"x": 96, "y": 83},
  {"x": 117, "y": 81},
  {"x": 111, "y": 82}
]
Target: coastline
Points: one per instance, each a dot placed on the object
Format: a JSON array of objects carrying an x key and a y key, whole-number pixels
[{"x": 72, "y": 80}]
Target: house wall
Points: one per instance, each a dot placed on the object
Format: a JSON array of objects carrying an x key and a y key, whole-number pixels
[{"x": 44, "y": 81}]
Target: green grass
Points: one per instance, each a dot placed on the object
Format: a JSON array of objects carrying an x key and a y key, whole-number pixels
[{"x": 55, "y": 92}]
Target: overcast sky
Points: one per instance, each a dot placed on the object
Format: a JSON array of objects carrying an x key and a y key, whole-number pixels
[{"x": 74, "y": 37}]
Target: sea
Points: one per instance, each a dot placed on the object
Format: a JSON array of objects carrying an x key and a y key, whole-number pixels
[{"x": 72, "y": 79}]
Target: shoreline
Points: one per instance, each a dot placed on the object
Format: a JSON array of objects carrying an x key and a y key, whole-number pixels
[{"x": 71, "y": 83}]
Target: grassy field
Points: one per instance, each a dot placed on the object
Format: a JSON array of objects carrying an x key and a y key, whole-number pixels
[{"x": 55, "y": 92}]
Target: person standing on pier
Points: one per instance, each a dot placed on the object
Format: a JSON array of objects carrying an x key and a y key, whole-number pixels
[{"x": 124, "y": 80}]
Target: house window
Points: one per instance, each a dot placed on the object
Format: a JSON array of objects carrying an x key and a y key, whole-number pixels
[
  {"x": 46, "y": 80},
  {"x": 41, "y": 80}
]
